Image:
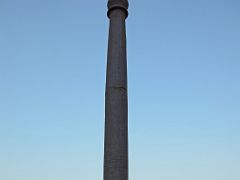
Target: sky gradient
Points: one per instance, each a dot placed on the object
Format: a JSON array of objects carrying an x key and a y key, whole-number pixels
[{"x": 183, "y": 80}]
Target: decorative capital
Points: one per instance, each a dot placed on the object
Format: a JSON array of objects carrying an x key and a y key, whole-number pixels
[{"x": 118, "y": 4}]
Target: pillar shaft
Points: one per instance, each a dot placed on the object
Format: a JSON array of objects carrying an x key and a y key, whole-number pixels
[{"x": 116, "y": 101}]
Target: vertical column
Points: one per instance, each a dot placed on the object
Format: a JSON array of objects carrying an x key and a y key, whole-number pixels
[{"x": 116, "y": 101}]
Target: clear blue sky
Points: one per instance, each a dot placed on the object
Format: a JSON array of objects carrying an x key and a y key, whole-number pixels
[{"x": 184, "y": 89}]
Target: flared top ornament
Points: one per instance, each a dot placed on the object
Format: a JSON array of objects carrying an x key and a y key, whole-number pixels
[{"x": 118, "y": 4}]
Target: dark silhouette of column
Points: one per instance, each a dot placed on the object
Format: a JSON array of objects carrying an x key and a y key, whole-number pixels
[{"x": 116, "y": 101}]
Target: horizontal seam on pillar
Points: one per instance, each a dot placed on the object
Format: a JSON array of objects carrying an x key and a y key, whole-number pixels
[{"x": 117, "y": 87}]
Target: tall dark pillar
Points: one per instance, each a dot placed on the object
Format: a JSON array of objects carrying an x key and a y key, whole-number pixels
[{"x": 116, "y": 101}]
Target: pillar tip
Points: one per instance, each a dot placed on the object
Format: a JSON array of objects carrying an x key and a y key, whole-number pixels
[{"x": 118, "y": 4}]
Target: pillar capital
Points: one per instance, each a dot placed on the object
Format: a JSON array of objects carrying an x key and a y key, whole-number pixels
[{"x": 117, "y": 4}]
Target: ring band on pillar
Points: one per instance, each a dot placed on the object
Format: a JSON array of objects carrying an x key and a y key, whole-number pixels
[{"x": 117, "y": 4}]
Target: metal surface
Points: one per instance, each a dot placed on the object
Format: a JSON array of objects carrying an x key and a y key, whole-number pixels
[{"x": 116, "y": 101}]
